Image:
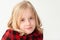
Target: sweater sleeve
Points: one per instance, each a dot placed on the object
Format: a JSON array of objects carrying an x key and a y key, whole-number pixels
[{"x": 6, "y": 35}]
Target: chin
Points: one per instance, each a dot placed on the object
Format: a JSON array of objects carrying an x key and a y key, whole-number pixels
[{"x": 29, "y": 32}]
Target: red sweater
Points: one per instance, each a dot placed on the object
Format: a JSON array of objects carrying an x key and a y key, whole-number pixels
[{"x": 14, "y": 35}]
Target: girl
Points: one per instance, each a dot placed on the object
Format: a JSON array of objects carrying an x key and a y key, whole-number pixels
[{"x": 24, "y": 23}]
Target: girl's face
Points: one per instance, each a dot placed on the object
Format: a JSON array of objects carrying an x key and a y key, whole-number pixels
[{"x": 27, "y": 22}]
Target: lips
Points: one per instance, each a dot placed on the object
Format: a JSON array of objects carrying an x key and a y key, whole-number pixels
[{"x": 28, "y": 28}]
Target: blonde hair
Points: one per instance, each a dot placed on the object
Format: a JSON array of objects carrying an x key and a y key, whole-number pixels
[{"x": 13, "y": 21}]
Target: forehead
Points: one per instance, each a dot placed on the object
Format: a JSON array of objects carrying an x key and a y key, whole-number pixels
[{"x": 26, "y": 12}]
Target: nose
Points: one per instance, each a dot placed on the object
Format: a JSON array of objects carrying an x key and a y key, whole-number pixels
[{"x": 27, "y": 22}]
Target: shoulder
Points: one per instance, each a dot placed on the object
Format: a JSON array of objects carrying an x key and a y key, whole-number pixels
[
  {"x": 8, "y": 31},
  {"x": 38, "y": 34},
  {"x": 6, "y": 34},
  {"x": 9, "y": 34}
]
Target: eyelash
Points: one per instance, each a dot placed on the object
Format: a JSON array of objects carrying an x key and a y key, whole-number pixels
[
  {"x": 22, "y": 20},
  {"x": 29, "y": 19}
]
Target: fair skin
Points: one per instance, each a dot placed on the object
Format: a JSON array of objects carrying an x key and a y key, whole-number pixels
[{"x": 27, "y": 23}]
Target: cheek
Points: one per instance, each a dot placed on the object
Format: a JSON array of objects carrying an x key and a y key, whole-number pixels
[
  {"x": 21, "y": 26},
  {"x": 33, "y": 23}
]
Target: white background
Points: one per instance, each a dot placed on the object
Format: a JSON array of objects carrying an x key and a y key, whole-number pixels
[{"x": 48, "y": 11}]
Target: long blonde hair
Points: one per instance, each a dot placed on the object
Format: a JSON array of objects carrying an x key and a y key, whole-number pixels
[{"x": 13, "y": 20}]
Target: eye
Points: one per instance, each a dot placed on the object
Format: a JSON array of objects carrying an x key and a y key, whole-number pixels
[
  {"x": 22, "y": 19},
  {"x": 31, "y": 17}
]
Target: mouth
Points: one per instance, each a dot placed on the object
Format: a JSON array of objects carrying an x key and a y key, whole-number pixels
[{"x": 29, "y": 28}]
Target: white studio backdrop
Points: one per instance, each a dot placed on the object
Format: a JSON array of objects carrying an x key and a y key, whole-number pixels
[{"x": 48, "y": 11}]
